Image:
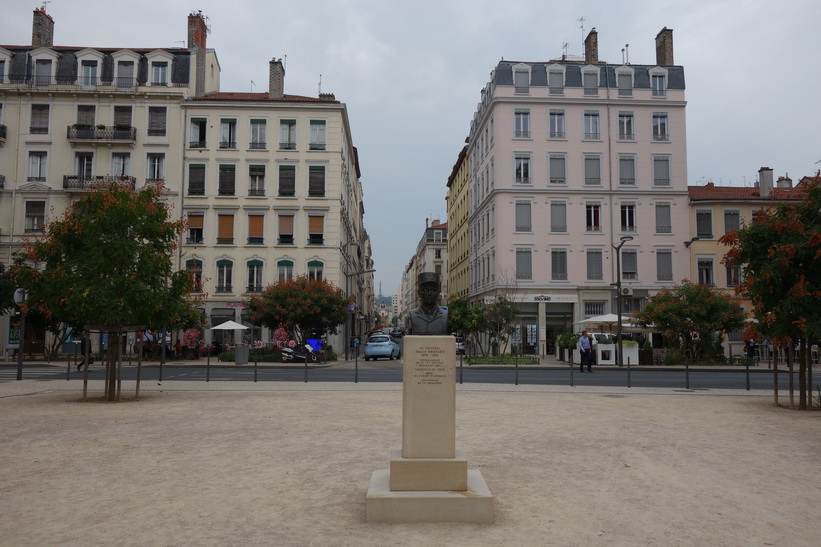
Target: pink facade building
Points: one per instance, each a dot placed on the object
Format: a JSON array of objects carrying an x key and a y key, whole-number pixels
[{"x": 566, "y": 158}]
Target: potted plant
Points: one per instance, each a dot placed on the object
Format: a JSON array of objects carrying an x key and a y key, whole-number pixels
[
  {"x": 646, "y": 353},
  {"x": 631, "y": 352}
]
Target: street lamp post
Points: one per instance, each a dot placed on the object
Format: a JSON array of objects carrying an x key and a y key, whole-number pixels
[
  {"x": 348, "y": 277},
  {"x": 624, "y": 239},
  {"x": 20, "y": 297}
]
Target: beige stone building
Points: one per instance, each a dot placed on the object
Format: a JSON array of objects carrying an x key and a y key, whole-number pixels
[{"x": 459, "y": 228}]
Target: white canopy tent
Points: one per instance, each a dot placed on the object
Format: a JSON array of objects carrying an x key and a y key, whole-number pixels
[{"x": 229, "y": 325}]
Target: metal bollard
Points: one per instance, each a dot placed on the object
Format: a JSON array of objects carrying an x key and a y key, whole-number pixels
[
  {"x": 255, "y": 372},
  {"x": 516, "y": 366},
  {"x": 747, "y": 366},
  {"x": 461, "y": 372},
  {"x": 686, "y": 375},
  {"x": 629, "y": 379},
  {"x": 208, "y": 368}
]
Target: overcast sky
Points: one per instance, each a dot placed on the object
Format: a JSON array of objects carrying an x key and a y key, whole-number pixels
[{"x": 410, "y": 73}]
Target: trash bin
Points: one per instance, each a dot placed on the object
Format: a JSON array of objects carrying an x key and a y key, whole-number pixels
[{"x": 241, "y": 355}]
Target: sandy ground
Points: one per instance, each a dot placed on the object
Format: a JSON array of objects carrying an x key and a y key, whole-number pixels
[{"x": 290, "y": 466}]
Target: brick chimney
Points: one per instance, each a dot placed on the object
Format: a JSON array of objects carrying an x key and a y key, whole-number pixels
[
  {"x": 591, "y": 47},
  {"x": 42, "y": 29},
  {"x": 276, "y": 79},
  {"x": 197, "y": 30},
  {"x": 664, "y": 47},
  {"x": 765, "y": 182}
]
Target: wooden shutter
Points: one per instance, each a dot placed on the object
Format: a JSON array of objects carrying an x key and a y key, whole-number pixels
[
  {"x": 227, "y": 180},
  {"x": 196, "y": 179},
  {"x": 255, "y": 224},
  {"x": 156, "y": 120},
  {"x": 316, "y": 180},
  {"x": 122, "y": 115},
  {"x": 85, "y": 114},
  {"x": 315, "y": 225},
  {"x": 287, "y": 180},
  {"x": 39, "y": 118},
  {"x": 286, "y": 225},
  {"x": 225, "y": 227},
  {"x": 195, "y": 221}
]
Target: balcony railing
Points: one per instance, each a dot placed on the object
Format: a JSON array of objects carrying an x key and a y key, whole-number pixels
[
  {"x": 256, "y": 192},
  {"x": 257, "y": 146},
  {"x": 287, "y": 146},
  {"x": 285, "y": 240},
  {"x": 193, "y": 240},
  {"x": 79, "y": 83},
  {"x": 256, "y": 240},
  {"x": 316, "y": 146},
  {"x": 316, "y": 240},
  {"x": 253, "y": 288},
  {"x": 557, "y": 91},
  {"x": 557, "y": 180},
  {"x": 228, "y": 144},
  {"x": 113, "y": 133},
  {"x": 223, "y": 288},
  {"x": 197, "y": 144},
  {"x": 521, "y": 134},
  {"x": 225, "y": 241},
  {"x": 523, "y": 227},
  {"x": 81, "y": 182},
  {"x": 557, "y": 134},
  {"x": 524, "y": 275}
]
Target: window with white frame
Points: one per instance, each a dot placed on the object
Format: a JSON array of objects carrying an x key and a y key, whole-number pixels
[
  {"x": 521, "y": 123},
  {"x": 523, "y": 216},
  {"x": 258, "y": 134},
  {"x": 317, "y": 136},
  {"x": 557, "y": 129},
  {"x": 592, "y": 169},
  {"x": 628, "y": 217},
  {"x": 524, "y": 264},
  {"x": 705, "y": 270},
  {"x": 658, "y": 85},
  {"x": 522, "y": 168},
  {"x": 555, "y": 82},
  {"x": 626, "y": 127},
  {"x": 156, "y": 168},
  {"x": 590, "y": 81},
  {"x": 287, "y": 134},
  {"x": 624, "y": 80},
  {"x": 2, "y": 71},
  {"x": 195, "y": 267},
  {"x": 38, "y": 167},
  {"x": 733, "y": 276},
  {"x": 661, "y": 131},
  {"x": 159, "y": 73},
  {"x": 255, "y": 278},
  {"x": 521, "y": 80},
  {"x": 732, "y": 220},
  {"x": 558, "y": 168},
  {"x": 285, "y": 224},
  {"x": 661, "y": 170},
  {"x": 594, "y": 265},
  {"x": 42, "y": 72},
  {"x": 704, "y": 224},
  {"x": 225, "y": 276},
  {"x": 316, "y": 229},
  {"x": 197, "y": 132},
  {"x": 627, "y": 169},
  {"x": 256, "y": 229},
  {"x": 121, "y": 164},
  {"x": 285, "y": 270},
  {"x": 663, "y": 220},
  {"x": 196, "y": 222},
  {"x": 558, "y": 216},
  {"x": 84, "y": 165},
  {"x": 593, "y": 217},
  {"x": 256, "y": 180},
  {"x": 592, "y": 128},
  {"x": 558, "y": 264},
  {"x": 664, "y": 264},
  {"x": 88, "y": 74},
  {"x": 228, "y": 133},
  {"x": 35, "y": 216},
  {"x": 125, "y": 74},
  {"x": 225, "y": 229},
  {"x": 315, "y": 269},
  {"x": 629, "y": 264}
]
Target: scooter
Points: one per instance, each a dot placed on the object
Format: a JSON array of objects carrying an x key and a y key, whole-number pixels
[{"x": 298, "y": 354}]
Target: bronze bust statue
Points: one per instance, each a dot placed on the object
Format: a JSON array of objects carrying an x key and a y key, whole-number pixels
[{"x": 428, "y": 318}]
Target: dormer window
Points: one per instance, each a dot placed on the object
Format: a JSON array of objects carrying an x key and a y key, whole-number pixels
[
  {"x": 658, "y": 81},
  {"x": 555, "y": 81},
  {"x": 590, "y": 81},
  {"x": 42, "y": 72},
  {"x": 624, "y": 79},
  {"x": 159, "y": 73},
  {"x": 521, "y": 78},
  {"x": 89, "y": 74},
  {"x": 125, "y": 74}
]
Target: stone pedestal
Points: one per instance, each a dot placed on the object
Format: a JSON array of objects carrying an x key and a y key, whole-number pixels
[{"x": 428, "y": 479}]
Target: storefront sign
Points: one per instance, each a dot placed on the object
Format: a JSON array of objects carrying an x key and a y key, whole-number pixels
[
  {"x": 553, "y": 298},
  {"x": 235, "y": 304}
]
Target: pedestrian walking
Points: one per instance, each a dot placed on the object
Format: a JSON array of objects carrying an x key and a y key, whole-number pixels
[{"x": 586, "y": 352}]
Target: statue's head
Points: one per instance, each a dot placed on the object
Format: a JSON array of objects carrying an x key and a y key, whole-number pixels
[{"x": 429, "y": 288}]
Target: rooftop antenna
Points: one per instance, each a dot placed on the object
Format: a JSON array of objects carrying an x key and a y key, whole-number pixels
[
  {"x": 581, "y": 26},
  {"x": 45, "y": 2},
  {"x": 626, "y": 52},
  {"x": 252, "y": 86},
  {"x": 320, "y": 84},
  {"x": 564, "y": 47}
]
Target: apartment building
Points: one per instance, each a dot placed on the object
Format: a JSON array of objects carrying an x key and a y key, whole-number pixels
[
  {"x": 568, "y": 160},
  {"x": 458, "y": 210},
  {"x": 269, "y": 183}
]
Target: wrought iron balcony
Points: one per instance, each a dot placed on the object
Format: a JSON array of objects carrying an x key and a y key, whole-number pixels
[
  {"x": 223, "y": 288},
  {"x": 285, "y": 240},
  {"x": 253, "y": 288},
  {"x": 110, "y": 133},
  {"x": 287, "y": 146},
  {"x": 81, "y": 182},
  {"x": 256, "y": 241},
  {"x": 316, "y": 146},
  {"x": 258, "y": 145},
  {"x": 256, "y": 192}
]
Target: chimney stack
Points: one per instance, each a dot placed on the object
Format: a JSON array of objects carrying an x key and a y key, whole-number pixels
[
  {"x": 276, "y": 79},
  {"x": 784, "y": 182},
  {"x": 664, "y": 47},
  {"x": 591, "y": 47},
  {"x": 197, "y": 30},
  {"x": 42, "y": 29},
  {"x": 765, "y": 182}
]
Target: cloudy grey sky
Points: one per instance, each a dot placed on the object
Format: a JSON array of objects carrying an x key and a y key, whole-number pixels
[{"x": 411, "y": 71}]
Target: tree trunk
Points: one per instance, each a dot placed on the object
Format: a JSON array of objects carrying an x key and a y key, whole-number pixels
[
  {"x": 790, "y": 372},
  {"x": 802, "y": 379},
  {"x": 775, "y": 375},
  {"x": 111, "y": 371}
]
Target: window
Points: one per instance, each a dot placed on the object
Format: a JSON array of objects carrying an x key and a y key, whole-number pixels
[
  {"x": 522, "y": 163},
  {"x": 197, "y": 132},
  {"x": 593, "y": 308},
  {"x": 287, "y": 135},
  {"x": 629, "y": 264},
  {"x": 258, "y": 134},
  {"x": 557, "y": 124},
  {"x": 35, "y": 216},
  {"x": 627, "y": 170},
  {"x": 558, "y": 264},
  {"x": 660, "y": 133},
  {"x": 523, "y": 216},
  {"x": 195, "y": 267},
  {"x": 256, "y": 175},
  {"x": 125, "y": 74},
  {"x": 437, "y": 253},
  {"x": 626, "y": 126},
  {"x": 628, "y": 217},
  {"x": 225, "y": 229},
  {"x": 256, "y": 230},
  {"x": 286, "y": 230},
  {"x": 84, "y": 163},
  {"x": 315, "y": 268},
  {"x": 228, "y": 133},
  {"x": 42, "y": 72},
  {"x": 86, "y": 114},
  {"x": 317, "y": 135},
  {"x": 227, "y": 180},
  {"x": 121, "y": 164},
  {"x": 196, "y": 179},
  {"x": 732, "y": 221},
  {"x": 733, "y": 276},
  {"x": 524, "y": 264},
  {"x": 594, "y": 265},
  {"x": 88, "y": 75},
  {"x": 658, "y": 85},
  {"x": 437, "y": 269},
  {"x": 159, "y": 73},
  {"x": 156, "y": 121},
  {"x": 558, "y": 216},
  {"x": 254, "y": 276},
  {"x": 521, "y": 123},
  {"x": 557, "y": 165},
  {"x": 521, "y": 81},
  {"x": 592, "y": 130},
  {"x": 225, "y": 275},
  {"x": 661, "y": 170},
  {"x": 39, "y": 119},
  {"x": 195, "y": 225},
  {"x": 316, "y": 230},
  {"x": 663, "y": 222},
  {"x": 316, "y": 181},
  {"x": 705, "y": 271},
  {"x": 287, "y": 180},
  {"x": 625, "y": 83},
  {"x": 555, "y": 82},
  {"x": 156, "y": 167},
  {"x": 592, "y": 169},
  {"x": 2, "y": 71},
  {"x": 593, "y": 214},
  {"x": 285, "y": 270},
  {"x": 590, "y": 80},
  {"x": 664, "y": 265},
  {"x": 38, "y": 163},
  {"x": 704, "y": 224}
]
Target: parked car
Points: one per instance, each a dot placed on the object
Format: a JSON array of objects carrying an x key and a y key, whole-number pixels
[
  {"x": 397, "y": 332},
  {"x": 460, "y": 345},
  {"x": 382, "y": 345}
]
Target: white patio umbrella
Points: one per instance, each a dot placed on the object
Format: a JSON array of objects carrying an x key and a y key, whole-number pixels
[
  {"x": 609, "y": 320},
  {"x": 229, "y": 325}
]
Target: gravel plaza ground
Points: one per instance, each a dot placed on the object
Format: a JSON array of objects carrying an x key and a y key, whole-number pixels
[{"x": 289, "y": 464}]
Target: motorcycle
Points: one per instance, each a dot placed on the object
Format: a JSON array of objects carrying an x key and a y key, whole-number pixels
[{"x": 298, "y": 354}]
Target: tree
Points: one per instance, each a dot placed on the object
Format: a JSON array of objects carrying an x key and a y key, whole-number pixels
[
  {"x": 780, "y": 257},
  {"x": 692, "y": 314},
  {"x": 467, "y": 319},
  {"x": 302, "y": 304},
  {"x": 107, "y": 261},
  {"x": 7, "y": 288},
  {"x": 500, "y": 315}
]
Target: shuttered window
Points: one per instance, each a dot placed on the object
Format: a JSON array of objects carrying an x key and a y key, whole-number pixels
[
  {"x": 122, "y": 116},
  {"x": 39, "y": 118},
  {"x": 523, "y": 216},
  {"x": 732, "y": 221},
  {"x": 558, "y": 217},
  {"x": 225, "y": 229},
  {"x": 316, "y": 181},
  {"x": 592, "y": 169},
  {"x": 524, "y": 267},
  {"x": 156, "y": 121},
  {"x": 664, "y": 265},
  {"x": 227, "y": 180},
  {"x": 196, "y": 180},
  {"x": 316, "y": 230},
  {"x": 85, "y": 114},
  {"x": 661, "y": 170},
  {"x": 287, "y": 180},
  {"x": 195, "y": 224},
  {"x": 627, "y": 170},
  {"x": 558, "y": 264},
  {"x": 557, "y": 171},
  {"x": 663, "y": 225},
  {"x": 704, "y": 224},
  {"x": 255, "y": 229},
  {"x": 286, "y": 229},
  {"x": 594, "y": 264}
]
